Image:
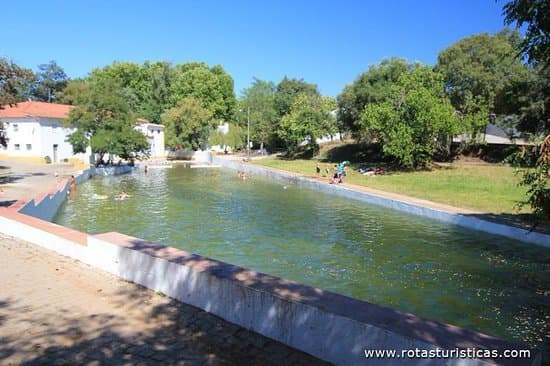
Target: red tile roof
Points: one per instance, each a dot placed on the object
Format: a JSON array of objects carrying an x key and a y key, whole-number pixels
[{"x": 36, "y": 109}]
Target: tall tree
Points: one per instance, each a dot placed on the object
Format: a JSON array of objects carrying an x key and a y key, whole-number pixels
[
  {"x": 411, "y": 121},
  {"x": 536, "y": 15},
  {"x": 13, "y": 80},
  {"x": 288, "y": 89},
  {"x": 157, "y": 98},
  {"x": 105, "y": 121},
  {"x": 478, "y": 70},
  {"x": 372, "y": 86},
  {"x": 212, "y": 87},
  {"x": 188, "y": 124},
  {"x": 50, "y": 82},
  {"x": 309, "y": 118},
  {"x": 260, "y": 98}
]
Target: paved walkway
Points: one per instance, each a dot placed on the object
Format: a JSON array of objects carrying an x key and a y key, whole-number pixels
[
  {"x": 22, "y": 180},
  {"x": 55, "y": 310}
]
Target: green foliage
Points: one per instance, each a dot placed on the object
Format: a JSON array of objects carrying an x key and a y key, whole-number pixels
[
  {"x": 479, "y": 73},
  {"x": 104, "y": 116},
  {"x": 50, "y": 82},
  {"x": 47, "y": 159},
  {"x": 287, "y": 90},
  {"x": 413, "y": 118},
  {"x": 13, "y": 82},
  {"x": 212, "y": 87},
  {"x": 260, "y": 98},
  {"x": 75, "y": 91},
  {"x": 234, "y": 138},
  {"x": 309, "y": 118},
  {"x": 188, "y": 125},
  {"x": 156, "y": 99},
  {"x": 536, "y": 15},
  {"x": 537, "y": 181},
  {"x": 372, "y": 86},
  {"x": 528, "y": 101}
]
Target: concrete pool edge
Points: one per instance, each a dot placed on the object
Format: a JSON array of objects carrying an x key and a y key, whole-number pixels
[
  {"x": 439, "y": 214},
  {"x": 329, "y": 326}
]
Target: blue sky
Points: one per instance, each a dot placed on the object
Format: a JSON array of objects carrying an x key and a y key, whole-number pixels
[{"x": 328, "y": 43}]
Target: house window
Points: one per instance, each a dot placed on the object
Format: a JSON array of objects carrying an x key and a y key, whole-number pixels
[
  {"x": 158, "y": 131},
  {"x": 15, "y": 127},
  {"x": 29, "y": 147},
  {"x": 16, "y": 146}
]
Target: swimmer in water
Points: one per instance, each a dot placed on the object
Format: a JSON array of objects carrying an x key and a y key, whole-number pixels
[{"x": 122, "y": 196}]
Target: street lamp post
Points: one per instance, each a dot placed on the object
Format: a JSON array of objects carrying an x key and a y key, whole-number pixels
[{"x": 248, "y": 137}]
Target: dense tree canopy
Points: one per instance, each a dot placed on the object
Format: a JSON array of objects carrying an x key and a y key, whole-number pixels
[
  {"x": 213, "y": 87},
  {"x": 536, "y": 15},
  {"x": 309, "y": 118},
  {"x": 13, "y": 80},
  {"x": 415, "y": 116},
  {"x": 105, "y": 121},
  {"x": 188, "y": 124},
  {"x": 287, "y": 90},
  {"x": 479, "y": 72},
  {"x": 372, "y": 86},
  {"x": 50, "y": 82},
  {"x": 260, "y": 99}
]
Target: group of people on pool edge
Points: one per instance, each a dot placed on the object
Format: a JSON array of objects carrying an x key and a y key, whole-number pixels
[{"x": 339, "y": 171}]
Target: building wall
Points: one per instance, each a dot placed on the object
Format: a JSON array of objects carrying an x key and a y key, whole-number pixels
[
  {"x": 155, "y": 138},
  {"x": 23, "y": 132},
  {"x": 54, "y": 133},
  {"x": 41, "y": 134}
]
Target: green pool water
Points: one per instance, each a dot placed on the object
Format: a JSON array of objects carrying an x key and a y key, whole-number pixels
[{"x": 438, "y": 271}]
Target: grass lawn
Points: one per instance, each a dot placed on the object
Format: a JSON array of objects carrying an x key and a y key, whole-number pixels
[{"x": 485, "y": 188}]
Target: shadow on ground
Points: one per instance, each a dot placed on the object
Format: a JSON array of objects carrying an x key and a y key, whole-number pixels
[{"x": 178, "y": 334}]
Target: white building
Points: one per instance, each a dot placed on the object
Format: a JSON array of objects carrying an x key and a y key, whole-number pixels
[
  {"x": 493, "y": 135},
  {"x": 155, "y": 137},
  {"x": 35, "y": 130},
  {"x": 224, "y": 130}
]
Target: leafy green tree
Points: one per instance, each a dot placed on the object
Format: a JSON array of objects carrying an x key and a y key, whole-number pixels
[
  {"x": 287, "y": 90},
  {"x": 75, "y": 91},
  {"x": 536, "y": 15},
  {"x": 212, "y": 87},
  {"x": 104, "y": 118},
  {"x": 260, "y": 98},
  {"x": 13, "y": 82},
  {"x": 235, "y": 137},
  {"x": 415, "y": 116},
  {"x": 478, "y": 71},
  {"x": 157, "y": 97},
  {"x": 50, "y": 82},
  {"x": 372, "y": 86},
  {"x": 188, "y": 125},
  {"x": 131, "y": 78},
  {"x": 308, "y": 119}
]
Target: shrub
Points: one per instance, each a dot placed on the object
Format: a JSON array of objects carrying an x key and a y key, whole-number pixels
[{"x": 47, "y": 159}]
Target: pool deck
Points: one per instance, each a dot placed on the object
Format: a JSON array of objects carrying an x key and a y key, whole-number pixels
[{"x": 56, "y": 310}]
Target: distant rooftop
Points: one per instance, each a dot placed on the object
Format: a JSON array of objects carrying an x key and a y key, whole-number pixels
[{"x": 36, "y": 109}]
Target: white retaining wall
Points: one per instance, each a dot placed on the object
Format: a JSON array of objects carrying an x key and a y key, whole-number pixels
[
  {"x": 48, "y": 206},
  {"x": 329, "y": 326},
  {"x": 469, "y": 222}
]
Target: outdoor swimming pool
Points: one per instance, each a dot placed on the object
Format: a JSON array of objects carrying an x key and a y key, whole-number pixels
[{"x": 446, "y": 273}]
